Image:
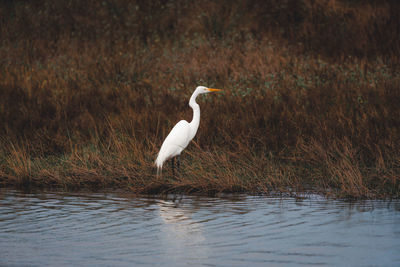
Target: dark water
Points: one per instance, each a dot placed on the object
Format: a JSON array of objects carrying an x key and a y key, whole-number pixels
[{"x": 67, "y": 229}]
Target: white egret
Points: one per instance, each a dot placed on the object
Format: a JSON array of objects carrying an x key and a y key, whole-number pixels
[{"x": 182, "y": 133}]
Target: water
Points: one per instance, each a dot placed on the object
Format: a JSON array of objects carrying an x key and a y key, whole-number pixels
[{"x": 71, "y": 229}]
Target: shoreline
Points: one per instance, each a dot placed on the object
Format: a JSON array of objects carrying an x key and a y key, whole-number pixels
[
  {"x": 209, "y": 183},
  {"x": 174, "y": 193}
]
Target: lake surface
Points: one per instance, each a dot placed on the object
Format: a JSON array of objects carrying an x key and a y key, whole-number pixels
[{"x": 98, "y": 229}]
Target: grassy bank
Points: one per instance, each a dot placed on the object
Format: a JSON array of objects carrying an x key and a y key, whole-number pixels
[{"x": 89, "y": 90}]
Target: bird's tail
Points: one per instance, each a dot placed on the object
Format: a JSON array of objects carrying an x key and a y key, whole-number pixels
[{"x": 158, "y": 162}]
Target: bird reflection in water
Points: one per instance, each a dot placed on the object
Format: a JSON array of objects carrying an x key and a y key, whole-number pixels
[{"x": 181, "y": 233}]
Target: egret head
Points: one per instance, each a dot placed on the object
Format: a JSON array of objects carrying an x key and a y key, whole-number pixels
[{"x": 206, "y": 90}]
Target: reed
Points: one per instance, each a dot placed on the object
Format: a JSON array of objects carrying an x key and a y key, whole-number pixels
[{"x": 88, "y": 91}]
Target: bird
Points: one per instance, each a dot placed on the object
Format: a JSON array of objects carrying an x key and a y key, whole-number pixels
[{"x": 182, "y": 133}]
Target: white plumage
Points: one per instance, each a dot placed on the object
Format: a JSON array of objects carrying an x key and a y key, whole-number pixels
[
  {"x": 183, "y": 132},
  {"x": 176, "y": 141}
]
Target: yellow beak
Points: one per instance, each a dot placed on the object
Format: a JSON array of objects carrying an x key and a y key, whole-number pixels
[{"x": 213, "y": 90}]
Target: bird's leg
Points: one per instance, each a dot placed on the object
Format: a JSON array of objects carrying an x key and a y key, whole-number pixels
[
  {"x": 178, "y": 164},
  {"x": 172, "y": 165}
]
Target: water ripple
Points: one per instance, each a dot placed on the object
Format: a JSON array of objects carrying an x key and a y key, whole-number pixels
[{"x": 120, "y": 230}]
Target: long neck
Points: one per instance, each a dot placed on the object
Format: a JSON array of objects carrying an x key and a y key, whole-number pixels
[{"x": 196, "y": 115}]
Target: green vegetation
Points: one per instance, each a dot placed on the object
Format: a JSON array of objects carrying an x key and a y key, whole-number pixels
[{"x": 89, "y": 90}]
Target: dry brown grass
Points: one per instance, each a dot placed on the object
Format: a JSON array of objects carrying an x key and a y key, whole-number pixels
[{"x": 88, "y": 91}]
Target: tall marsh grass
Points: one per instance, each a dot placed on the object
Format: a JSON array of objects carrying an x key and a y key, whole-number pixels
[{"x": 89, "y": 90}]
